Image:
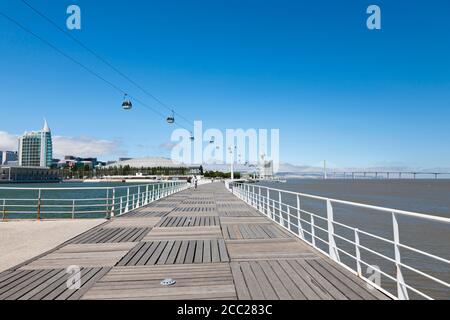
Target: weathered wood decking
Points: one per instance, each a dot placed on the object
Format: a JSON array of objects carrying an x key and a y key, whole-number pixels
[{"x": 212, "y": 244}]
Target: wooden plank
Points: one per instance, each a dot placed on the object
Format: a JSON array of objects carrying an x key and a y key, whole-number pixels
[
  {"x": 55, "y": 287},
  {"x": 198, "y": 258},
  {"x": 148, "y": 250},
  {"x": 324, "y": 288},
  {"x": 358, "y": 285},
  {"x": 239, "y": 282},
  {"x": 61, "y": 274},
  {"x": 162, "y": 259},
  {"x": 223, "y": 250},
  {"x": 131, "y": 255},
  {"x": 184, "y": 233},
  {"x": 265, "y": 285},
  {"x": 215, "y": 251},
  {"x": 14, "y": 287},
  {"x": 268, "y": 249},
  {"x": 62, "y": 292},
  {"x": 244, "y": 220},
  {"x": 254, "y": 288},
  {"x": 183, "y": 293},
  {"x": 173, "y": 254},
  {"x": 17, "y": 280},
  {"x": 89, "y": 284},
  {"x": 182, "y": 253},
  {"x": 123, "y": 222},
  {"x": 304, "y": 287},
  {"x": 155, "y": 256},
  {"x": 291, "y": 287},
  {"x": 190, "y": 252},
  {"x": 207, "y": 252},
  {"x": 97, "y": 247},
  {"x": 276, "y": 283},
  {"x": 336, "y": 282},
  {"x": 13, "y": 276},
  {"x": 195, "y": 281}
]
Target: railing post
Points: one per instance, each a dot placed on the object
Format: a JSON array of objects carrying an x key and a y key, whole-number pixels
[
  {"x": 113, "y": 202},
  {"x": 107, "y": 203},
  {"x": 279, "y": 206},
  {"x": 4, "y": 210},
  {"x": 133, "y": 204},
  {"x": 253, "y": 197},
  {"x": 402, "y": 292},
  {"x": 138, "y": 197},
  {"x": 153, "y": 192},
  {"x": 289, "y": 217},
  {"x": 39, "y": 205},
  {"x": 146, "y": 194},
  {"x": 299, "y": 219},
  {"x": 259, "y": 198},
  {"x": 73, "y": 209},
  {"x": 333, "y": 251},
  {"x": 268, "y": 202},
  {"x": 127, "y": 201},
  {"x": 313, "y": 231},
  {"x": 358, "y": 253},
  {"x": 121, "y": 206}
]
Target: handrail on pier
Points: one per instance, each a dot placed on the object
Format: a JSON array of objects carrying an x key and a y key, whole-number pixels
[
  {"x": 307, "y": 225},
  {"x": 99, "y": 201}
]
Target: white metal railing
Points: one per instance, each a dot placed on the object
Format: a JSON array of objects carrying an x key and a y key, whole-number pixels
[
  {"x": 80, "y": 202},
  {"x": 306, "y": 225}
]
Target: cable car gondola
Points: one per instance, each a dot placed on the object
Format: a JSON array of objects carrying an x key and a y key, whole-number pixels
[
  {"x": 171, "y": 119},
  {"x": 126, "y": 104}
]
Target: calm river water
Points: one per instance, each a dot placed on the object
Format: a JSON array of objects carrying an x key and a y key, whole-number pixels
[{"x": 52, "y": 204}]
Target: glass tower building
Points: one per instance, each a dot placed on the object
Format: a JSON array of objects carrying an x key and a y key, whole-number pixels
[{"x": 36, "y": 149}]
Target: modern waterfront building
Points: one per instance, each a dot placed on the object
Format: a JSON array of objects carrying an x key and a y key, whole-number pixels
[
  {"x": 7, "y": 157},
  {"x": 72, "y": 161},
  {"x": 36, "y": 149},
  {"x": 266, "y": 170},
  {"x": 22, "y": 174}
]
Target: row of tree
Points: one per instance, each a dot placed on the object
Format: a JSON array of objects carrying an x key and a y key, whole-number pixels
[
  {"x": 77, "y": 172},
  {"x": 221, "y": 175}
]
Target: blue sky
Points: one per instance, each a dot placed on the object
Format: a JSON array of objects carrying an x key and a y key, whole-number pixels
[{"x": 336, "y": 90}]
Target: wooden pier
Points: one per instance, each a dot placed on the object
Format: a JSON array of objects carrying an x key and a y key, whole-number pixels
[{"x": 211, "y": 243}]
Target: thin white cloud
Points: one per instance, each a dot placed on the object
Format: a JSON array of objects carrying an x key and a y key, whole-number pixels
[
  {"x": 86, "y": 147},
  {"x": 168, "y": 146},
  {"x": 8, "y": 142},
  {"x": 76, "y": 146}
]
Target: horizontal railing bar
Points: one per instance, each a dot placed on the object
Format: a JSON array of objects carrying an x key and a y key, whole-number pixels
[
  {"x": 360, "y": 231},
  {"x": 159, "y": 183},
  {"x": 284, "y": 213},
  {"x": 395, "y": 280},
  {"x": 360, "y": 205}
]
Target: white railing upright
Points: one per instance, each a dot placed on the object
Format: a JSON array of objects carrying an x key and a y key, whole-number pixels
[
  {"x": 292, "y": 218},
  {"x": 58, "y": 203}
]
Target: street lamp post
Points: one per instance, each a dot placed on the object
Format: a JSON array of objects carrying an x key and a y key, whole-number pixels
[{"x": 232, "y": 161}]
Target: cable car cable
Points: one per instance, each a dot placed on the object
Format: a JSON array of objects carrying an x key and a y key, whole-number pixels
[
  {"x": 21, "y": 26},
  {"x": 103, "y": 60}
]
